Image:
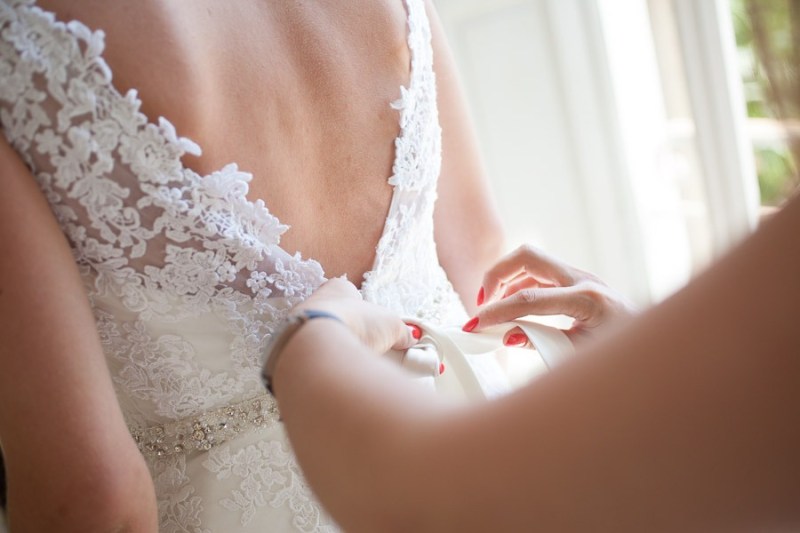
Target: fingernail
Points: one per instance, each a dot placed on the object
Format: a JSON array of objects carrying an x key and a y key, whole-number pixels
[
  {"x": 472, "y": 324},
  {"x": 481, "y": 296},
  {"x": 416, "y": 331},
  {"x": 517, "y": 339},
  {"x": 441, "y": 368}
]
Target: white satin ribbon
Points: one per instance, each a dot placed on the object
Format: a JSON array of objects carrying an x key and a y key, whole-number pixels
[{"x": 472, "y": 360}]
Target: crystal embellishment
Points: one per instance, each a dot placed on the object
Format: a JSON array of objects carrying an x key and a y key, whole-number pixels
[{"x": 207, "y": 430}]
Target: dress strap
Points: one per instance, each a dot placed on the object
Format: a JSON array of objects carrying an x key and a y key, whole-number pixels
[
  {"x": 406, "y": 265},
  {"x": 418, "y": 147}
]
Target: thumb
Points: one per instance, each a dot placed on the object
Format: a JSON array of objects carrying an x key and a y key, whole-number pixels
[{"x": 404, "y": 337}]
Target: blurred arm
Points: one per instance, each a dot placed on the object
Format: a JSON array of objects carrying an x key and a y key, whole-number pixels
[
  {"x": 71, "y": 464},
  {"x": 685, "y": 420}
]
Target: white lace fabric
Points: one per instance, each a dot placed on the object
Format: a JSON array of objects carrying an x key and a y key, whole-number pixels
[{"x": 186, "y": 277}]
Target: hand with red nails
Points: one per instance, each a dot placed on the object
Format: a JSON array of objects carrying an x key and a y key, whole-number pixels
[
  {"x": 376, "y": 326},
  {"x": 530, "y": 282}
]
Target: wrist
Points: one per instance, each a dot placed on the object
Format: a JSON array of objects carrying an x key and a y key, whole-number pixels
[{"x": 283, "y": 336}]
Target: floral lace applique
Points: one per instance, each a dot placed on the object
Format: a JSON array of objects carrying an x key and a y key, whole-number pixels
[
  {"x": 179, "y": 506},
  {"x": 269, "y": 475}
]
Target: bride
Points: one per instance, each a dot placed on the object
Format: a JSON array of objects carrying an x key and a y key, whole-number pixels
[
  {"x": 141, "y": 277},
  {"x": 147, "y": 260}
]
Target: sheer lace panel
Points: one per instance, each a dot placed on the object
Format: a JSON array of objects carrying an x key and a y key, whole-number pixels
[{"x": 156, "y": 242}]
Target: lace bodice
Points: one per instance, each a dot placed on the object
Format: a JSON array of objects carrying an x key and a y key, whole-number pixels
[{"x": 186, "y": 277}]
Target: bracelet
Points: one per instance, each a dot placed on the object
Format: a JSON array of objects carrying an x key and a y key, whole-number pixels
[{"x": 281, "y": 338}]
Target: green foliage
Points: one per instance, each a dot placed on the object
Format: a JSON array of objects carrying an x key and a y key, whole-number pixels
[
  {"x": 777, "y": 169},
  {"x": 778, "y": 22}
]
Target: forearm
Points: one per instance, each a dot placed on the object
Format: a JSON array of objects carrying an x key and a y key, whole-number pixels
[
  {"x": 466, "y": 256},
  {"x": 686, "y": 420},
  {"x": 103, "y": 499},
  {"x": 71, "y": 464},
  {"x": 351, "y": 416}
]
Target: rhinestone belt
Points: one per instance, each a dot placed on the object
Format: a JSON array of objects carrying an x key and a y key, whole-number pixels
[{"x": 207, "y": 430}]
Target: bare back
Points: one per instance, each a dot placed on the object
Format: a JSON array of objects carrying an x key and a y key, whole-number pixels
[{"x": 297, "y": 94}]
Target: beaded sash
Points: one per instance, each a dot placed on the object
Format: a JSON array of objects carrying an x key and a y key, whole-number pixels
[{"x": 206, "y": 430}]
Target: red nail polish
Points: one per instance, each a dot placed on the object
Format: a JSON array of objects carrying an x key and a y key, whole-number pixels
[
  {"x": 481, "y": 296},
  {"x": 472, "y": 324},
  {"x": 441, "y": 368},
  {"x": 416, "y": 331},
  {"x": 517, "y": 339}
]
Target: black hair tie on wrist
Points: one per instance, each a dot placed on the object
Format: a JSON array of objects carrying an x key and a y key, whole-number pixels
[
  {"x": 281, "y": 337},
  {"x": 2, "y": 481}
]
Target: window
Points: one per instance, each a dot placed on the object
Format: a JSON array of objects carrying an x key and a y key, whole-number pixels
[
  {"x": 615, "y": 131},
  {"x": 768, "y": 38}
]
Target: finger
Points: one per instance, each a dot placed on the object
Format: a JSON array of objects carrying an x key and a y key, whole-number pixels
[
  {"x": 568, "y": 301},
  {"x": 338, "y": 288},
  {"x": 404, "y": 336},
  {"x": 516, "y": 338},
  {"x": 521, "y": 284},
  {"x": 527, "y": 261},
  {"x": 505, "y": 284}
]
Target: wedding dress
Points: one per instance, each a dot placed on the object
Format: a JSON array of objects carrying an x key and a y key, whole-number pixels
[{"x": 187, "y": 278}]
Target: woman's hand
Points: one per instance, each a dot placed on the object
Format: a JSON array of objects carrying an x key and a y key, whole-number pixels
[
  {"x": 376, "y": 326},
  {"x": 529, "y": 282}
]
